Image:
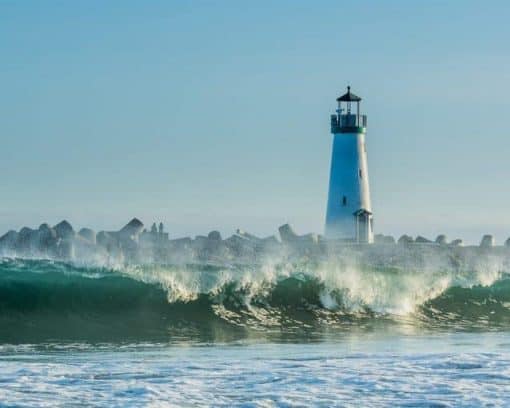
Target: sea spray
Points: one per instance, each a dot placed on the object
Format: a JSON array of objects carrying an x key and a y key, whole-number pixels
[{"x": 41, "y": 299}]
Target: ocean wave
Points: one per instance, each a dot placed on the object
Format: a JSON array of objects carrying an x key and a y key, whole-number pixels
[{"x": 44, "y": 299}]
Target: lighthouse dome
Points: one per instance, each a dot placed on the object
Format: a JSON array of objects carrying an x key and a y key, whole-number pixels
[{"x": 348, "y": 97}]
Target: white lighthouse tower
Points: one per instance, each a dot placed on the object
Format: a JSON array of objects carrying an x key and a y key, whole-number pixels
[{"x": 349, "y": 212}]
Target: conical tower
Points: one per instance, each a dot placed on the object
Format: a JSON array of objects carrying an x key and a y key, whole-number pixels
[{"x": 349, "y": 211}]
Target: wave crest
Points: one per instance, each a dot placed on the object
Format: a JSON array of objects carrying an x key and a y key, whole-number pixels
[{"x": 46, "y": 298}]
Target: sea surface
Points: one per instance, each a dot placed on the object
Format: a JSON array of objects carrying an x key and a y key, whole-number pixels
[{"x": 274, "y": 334}]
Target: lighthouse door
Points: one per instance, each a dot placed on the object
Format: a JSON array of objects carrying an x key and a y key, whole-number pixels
[{"x": 362, "y": 226}]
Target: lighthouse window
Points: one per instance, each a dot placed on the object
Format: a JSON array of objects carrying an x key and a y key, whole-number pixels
[
  {"x": 360, "y": 174},
  {"x": 344, "y": 201}
]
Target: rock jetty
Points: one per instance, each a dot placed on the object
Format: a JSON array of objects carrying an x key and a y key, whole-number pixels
[{"x": 134, "y": 243}]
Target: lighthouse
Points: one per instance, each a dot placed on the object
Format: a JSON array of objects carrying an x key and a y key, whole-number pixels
[{"x": 349, "y": 212}]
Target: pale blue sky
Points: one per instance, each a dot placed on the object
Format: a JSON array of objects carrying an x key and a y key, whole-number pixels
[{"x": 215, "y": 115}]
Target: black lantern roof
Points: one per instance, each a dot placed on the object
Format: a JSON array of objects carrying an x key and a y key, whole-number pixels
[{"x": 349, "y": 97}]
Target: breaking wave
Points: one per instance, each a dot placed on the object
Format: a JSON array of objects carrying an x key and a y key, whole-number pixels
[{"x": 46, "y": 300}]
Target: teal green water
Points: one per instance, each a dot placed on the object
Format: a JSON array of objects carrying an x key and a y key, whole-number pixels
[
  {"x": 274, "y": 335},
  {"x": 46, "y": 300}
]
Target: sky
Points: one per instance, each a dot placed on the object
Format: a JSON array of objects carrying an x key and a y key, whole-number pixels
[{"x": 215, "y": 114}]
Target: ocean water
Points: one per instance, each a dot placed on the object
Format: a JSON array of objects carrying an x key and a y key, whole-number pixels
[{"x": 274, "y": 334}]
